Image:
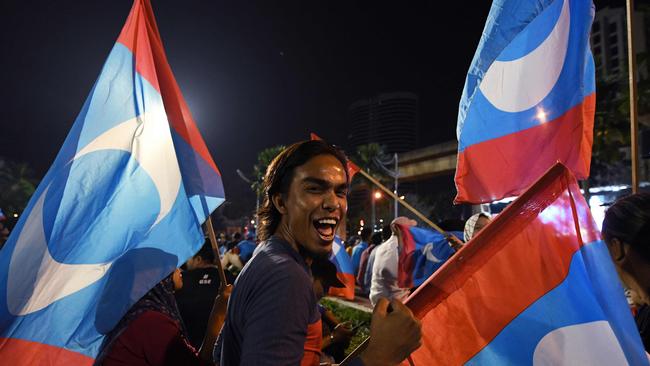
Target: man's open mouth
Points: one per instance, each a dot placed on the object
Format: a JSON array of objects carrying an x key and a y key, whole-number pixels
[{"x": 326, "y": 227}]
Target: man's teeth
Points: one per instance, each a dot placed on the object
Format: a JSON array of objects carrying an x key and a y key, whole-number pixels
[{"x": 327, "y": 221}]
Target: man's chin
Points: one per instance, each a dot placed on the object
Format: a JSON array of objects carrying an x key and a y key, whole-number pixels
[{"x": 317, "y": 251}]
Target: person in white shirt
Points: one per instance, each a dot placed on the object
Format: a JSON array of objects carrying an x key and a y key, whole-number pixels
[{"x": 384, "y": 268}]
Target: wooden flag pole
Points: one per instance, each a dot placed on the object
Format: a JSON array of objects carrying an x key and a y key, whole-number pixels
[
  {"x": 402, "y": 202},
  {"x": 215, "y": 249},
  {"x": 634, "y": 123}
]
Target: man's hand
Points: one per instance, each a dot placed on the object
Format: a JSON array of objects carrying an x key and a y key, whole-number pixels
[
  {"x": 221, "y": 301},
  {"x": 342, "y": 333},
  {"x": 394, "y": 334}
]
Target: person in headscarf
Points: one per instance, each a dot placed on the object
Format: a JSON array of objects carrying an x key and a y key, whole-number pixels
[
  {"x": 152, "y": 332},
  {"x": 475, "y": 224}
]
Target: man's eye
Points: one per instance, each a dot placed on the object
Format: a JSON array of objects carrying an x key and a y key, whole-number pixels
[
  {"x": 342, "y": 193},
  {"x": 314, "y": 189}
]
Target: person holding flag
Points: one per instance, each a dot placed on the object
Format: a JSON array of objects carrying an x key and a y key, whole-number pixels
[{"x": 273, "y": 302}]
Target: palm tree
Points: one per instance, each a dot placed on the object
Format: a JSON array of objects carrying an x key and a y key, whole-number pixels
[{"x": 17, "y": 184}]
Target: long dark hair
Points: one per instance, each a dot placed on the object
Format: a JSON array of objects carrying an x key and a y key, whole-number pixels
[
  {"x": 279, "y": 175},
  {"x": 628, "y": 220}
]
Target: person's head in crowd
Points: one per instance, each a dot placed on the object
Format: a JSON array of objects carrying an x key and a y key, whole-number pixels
[
  {"x": 324, "y": 274},
  {"x": 626, "y": 230},
  {"x": 221, "y": 239},
  {"x": 4, "y": 234},
  {"x": 475, "y": 224},
  {"x": 305, "y": 197},
  {"x": 177, "y": 279},
  {"x": 366, "y": 233},
  {"x": 236, "y": 237},
  {"x": 386, "y": 232},
  {"x": 250, "y": 235},
  {"x": 204, "y": 257},
  {"x": 352, "y": 241},
  {"x": 401, "y": 221},
  {"x": 376, "y": 238}
]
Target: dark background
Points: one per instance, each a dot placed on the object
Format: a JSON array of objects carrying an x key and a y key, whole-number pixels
[{"x": 255, "y": 73}]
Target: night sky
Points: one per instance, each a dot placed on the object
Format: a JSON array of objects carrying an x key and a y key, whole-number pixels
[{"x": 254, "y": 73}]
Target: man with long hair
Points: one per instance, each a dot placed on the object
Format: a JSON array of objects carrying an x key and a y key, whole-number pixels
[{"x": 273, "y": 307}]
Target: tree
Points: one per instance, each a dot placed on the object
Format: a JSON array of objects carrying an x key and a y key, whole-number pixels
[
  {"x": 264, "y": 158},
  {"x": 17, "y": 184},
  {"x": 612, "y": 125}
]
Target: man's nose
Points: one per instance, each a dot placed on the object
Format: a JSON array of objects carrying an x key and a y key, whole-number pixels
[{"x": 331, "y": 202}]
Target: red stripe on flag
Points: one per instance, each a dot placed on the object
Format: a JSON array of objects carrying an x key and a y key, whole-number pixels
[
  {"x": 140, "y": 34},
  {"x": 507, "y": 165},
  {"x": 18, "y": 352},
  {"x": 520, "y": 256},
  {"x": 406, "y": 262}
]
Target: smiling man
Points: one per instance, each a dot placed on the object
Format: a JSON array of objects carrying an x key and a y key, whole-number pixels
[{"x": 273, "y": 309}]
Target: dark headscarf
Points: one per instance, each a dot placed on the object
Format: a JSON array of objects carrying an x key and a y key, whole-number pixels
[{"x": 160, "y": 298}]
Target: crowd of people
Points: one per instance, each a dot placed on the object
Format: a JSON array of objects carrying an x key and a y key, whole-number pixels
[{"x": 269, "y": 311}]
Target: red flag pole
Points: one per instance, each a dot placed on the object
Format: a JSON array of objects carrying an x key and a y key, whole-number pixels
[{"x": 634, "y": 123}]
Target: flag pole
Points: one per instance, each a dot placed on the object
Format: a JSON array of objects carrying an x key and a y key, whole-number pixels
[
  {"x": 215, "y": 249},
  {"x": 401, "y": 201},
  {"x": 634, "y": 123}
]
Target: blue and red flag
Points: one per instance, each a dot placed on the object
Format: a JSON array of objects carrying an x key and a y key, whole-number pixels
[
  {"x": 422, "y": 252},
  {"x": 528, "y": 100},
  {"x": 344, "y": 272},
  {"x": 535, "y": 286},
  {"x": 121, "y": 207}
]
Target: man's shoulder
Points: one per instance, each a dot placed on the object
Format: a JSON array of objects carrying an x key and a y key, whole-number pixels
[{"x": 272, "y": 262}]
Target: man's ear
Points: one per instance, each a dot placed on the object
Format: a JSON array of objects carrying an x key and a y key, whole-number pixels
[
  {"x": 278, "y": 202},
  {"x": 618, "y": 250}
]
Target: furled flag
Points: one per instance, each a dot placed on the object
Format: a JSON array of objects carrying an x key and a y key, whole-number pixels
[
  {"x": 121, "y": 207},
  {"x": 529, "y": 98},
  {"x": 422, "y": 252},
  {"x": 344, "y": 272},
  {"x": 534, "y": 287},
  {"x": 352, "y": 167}
]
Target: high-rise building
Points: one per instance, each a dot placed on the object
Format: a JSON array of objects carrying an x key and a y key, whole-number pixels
[
  {"x": 389, "y": 119},
  {"x": 609, "y": 41}
]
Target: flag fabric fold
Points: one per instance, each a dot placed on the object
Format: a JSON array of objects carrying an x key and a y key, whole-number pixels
[
  {"x": 536, "y": 285},
  {"x": 528, "y": 100},
  {"x": 119, "y": 209},
  {"x": 344, "y": 271},
  {"x": 422, "y": 252}
]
